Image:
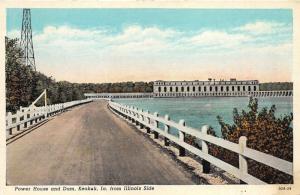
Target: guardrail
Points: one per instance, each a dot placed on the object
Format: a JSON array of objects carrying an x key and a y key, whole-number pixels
[
  {"x": 151, "y": 122},
  {"x": 29, "y": 116},
  {"x": 283, "y": 93}
]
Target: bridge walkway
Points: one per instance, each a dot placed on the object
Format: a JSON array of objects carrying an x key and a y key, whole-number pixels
[{"x": 89, "y": 145}]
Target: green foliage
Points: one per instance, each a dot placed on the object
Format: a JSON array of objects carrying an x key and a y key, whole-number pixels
[
  {"x": 276, "y": 86},
  {"x": 17, "y": 77},
  {"x": 266, "y": 133},
  {"x": 123, "y": 87},
  {"x": 24, "y": 85}
]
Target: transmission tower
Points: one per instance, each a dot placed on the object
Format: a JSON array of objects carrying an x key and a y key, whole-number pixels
[{"x": 26, "y": 40}]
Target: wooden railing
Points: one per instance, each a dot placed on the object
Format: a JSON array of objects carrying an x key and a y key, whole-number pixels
[
  {"x": 151, "y": 122},
  {"x": 26, "y": 117}
]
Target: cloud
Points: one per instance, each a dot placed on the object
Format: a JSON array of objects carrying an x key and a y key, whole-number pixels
[
  {"x": 263, "y": 27},
  {"x": 14, "y": 34},
  {"x": 137, "y": 33},
  {"x": 149, "y": 53},
  {"x": 218, "y": 39}
]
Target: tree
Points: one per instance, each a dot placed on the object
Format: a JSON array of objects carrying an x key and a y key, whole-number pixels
[
  {"x": 265, "y": 132},
  {"x": 276, "y": 86},
  {"x": 23, "y": 85},
  {"x": 18, "y": 78}
]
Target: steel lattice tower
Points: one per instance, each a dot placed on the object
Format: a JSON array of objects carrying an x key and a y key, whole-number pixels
[{"x": 26, "y": 40}]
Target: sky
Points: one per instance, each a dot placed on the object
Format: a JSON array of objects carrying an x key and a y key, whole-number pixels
[{"x": 116, "y": 45}]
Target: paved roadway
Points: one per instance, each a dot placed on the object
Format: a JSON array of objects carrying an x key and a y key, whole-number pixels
[{"x": 89, "y": 145}]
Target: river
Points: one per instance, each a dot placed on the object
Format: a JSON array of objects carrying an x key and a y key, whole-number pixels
[{"x": 200, "y": 111}]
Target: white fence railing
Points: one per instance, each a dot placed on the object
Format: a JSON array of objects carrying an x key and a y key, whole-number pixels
[
  {"x": 151, "y": 121},
  {"x": 28, "y": 116},
  {"x": 283, "y": 93}
]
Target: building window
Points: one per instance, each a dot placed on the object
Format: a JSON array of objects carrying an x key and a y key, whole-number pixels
[
  {"x": 210, "y": 88},
  {"x": 182, "y": 89},
  {"x": 254, "y": 88},
  {"x": 176, "y": 89},
  {"x": 159, "y": 89},
  {"x": 216, "y": 88},
  {"x": 227, "y": 88},
  {"x": 232, "y": 88},
  {"x": 165, "y": 89},
  {"x": 249, "y": 88},
  {"x": 244, "y": 88},
  {"x": 171, "y": 89},
  {"x": 199, "y": 88},
  {"x": 204, "y": 88},
  {"x": 221, "y": 88},
  {"x": 194, "y": 89},
  {"x": 239, "y": 88}
]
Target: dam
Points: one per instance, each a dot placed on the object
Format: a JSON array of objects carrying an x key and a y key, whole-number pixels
[{"x": 209, "y": 88}]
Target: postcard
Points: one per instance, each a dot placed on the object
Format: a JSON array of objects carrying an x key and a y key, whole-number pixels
[{"x": 150, "y": 97}]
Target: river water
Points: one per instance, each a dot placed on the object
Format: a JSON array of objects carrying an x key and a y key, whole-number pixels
[{"x": 200, "y": 111}]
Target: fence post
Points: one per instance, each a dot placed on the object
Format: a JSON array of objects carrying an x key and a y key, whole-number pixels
[
  {"x": 37, "y": 113},
  {"x": 25, "y": 117},
  {"x": 243, "y": 166},
  {"x": 125, "y": 113},
  {"x": 55, "y": 109},
  {"x": 167, "y": 129},
  {"x": 137, "y": 115},
  {"x": 119, "y": 110},
  {"x": 18, "y": 117},
  {"x": 50, "y": 110},
  {"x": 181, "y": 138},
  {"x": 155, "y": 125},
  {"x": 9, "y": 122},
  {"x": 204, "y": 146},
  {"x": 133, "y": 114},
  {"x": 142, "y": 118},
  {"x": 41, "y": 114},
  {"x": 128, "y": 113},
  {"x": 46, "y": 111},
  {"x": 148, "y": 122},
  {"x": 31, "y": 115}
]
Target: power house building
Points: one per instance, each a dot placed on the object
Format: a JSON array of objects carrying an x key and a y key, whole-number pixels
[{"x": 210, "y": 87}]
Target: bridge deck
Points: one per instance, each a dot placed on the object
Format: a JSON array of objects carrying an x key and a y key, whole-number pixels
[{"x": 89, "y": 145}]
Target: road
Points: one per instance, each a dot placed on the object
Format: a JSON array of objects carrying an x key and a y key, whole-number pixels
[{"x": 89, "y": 145}]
